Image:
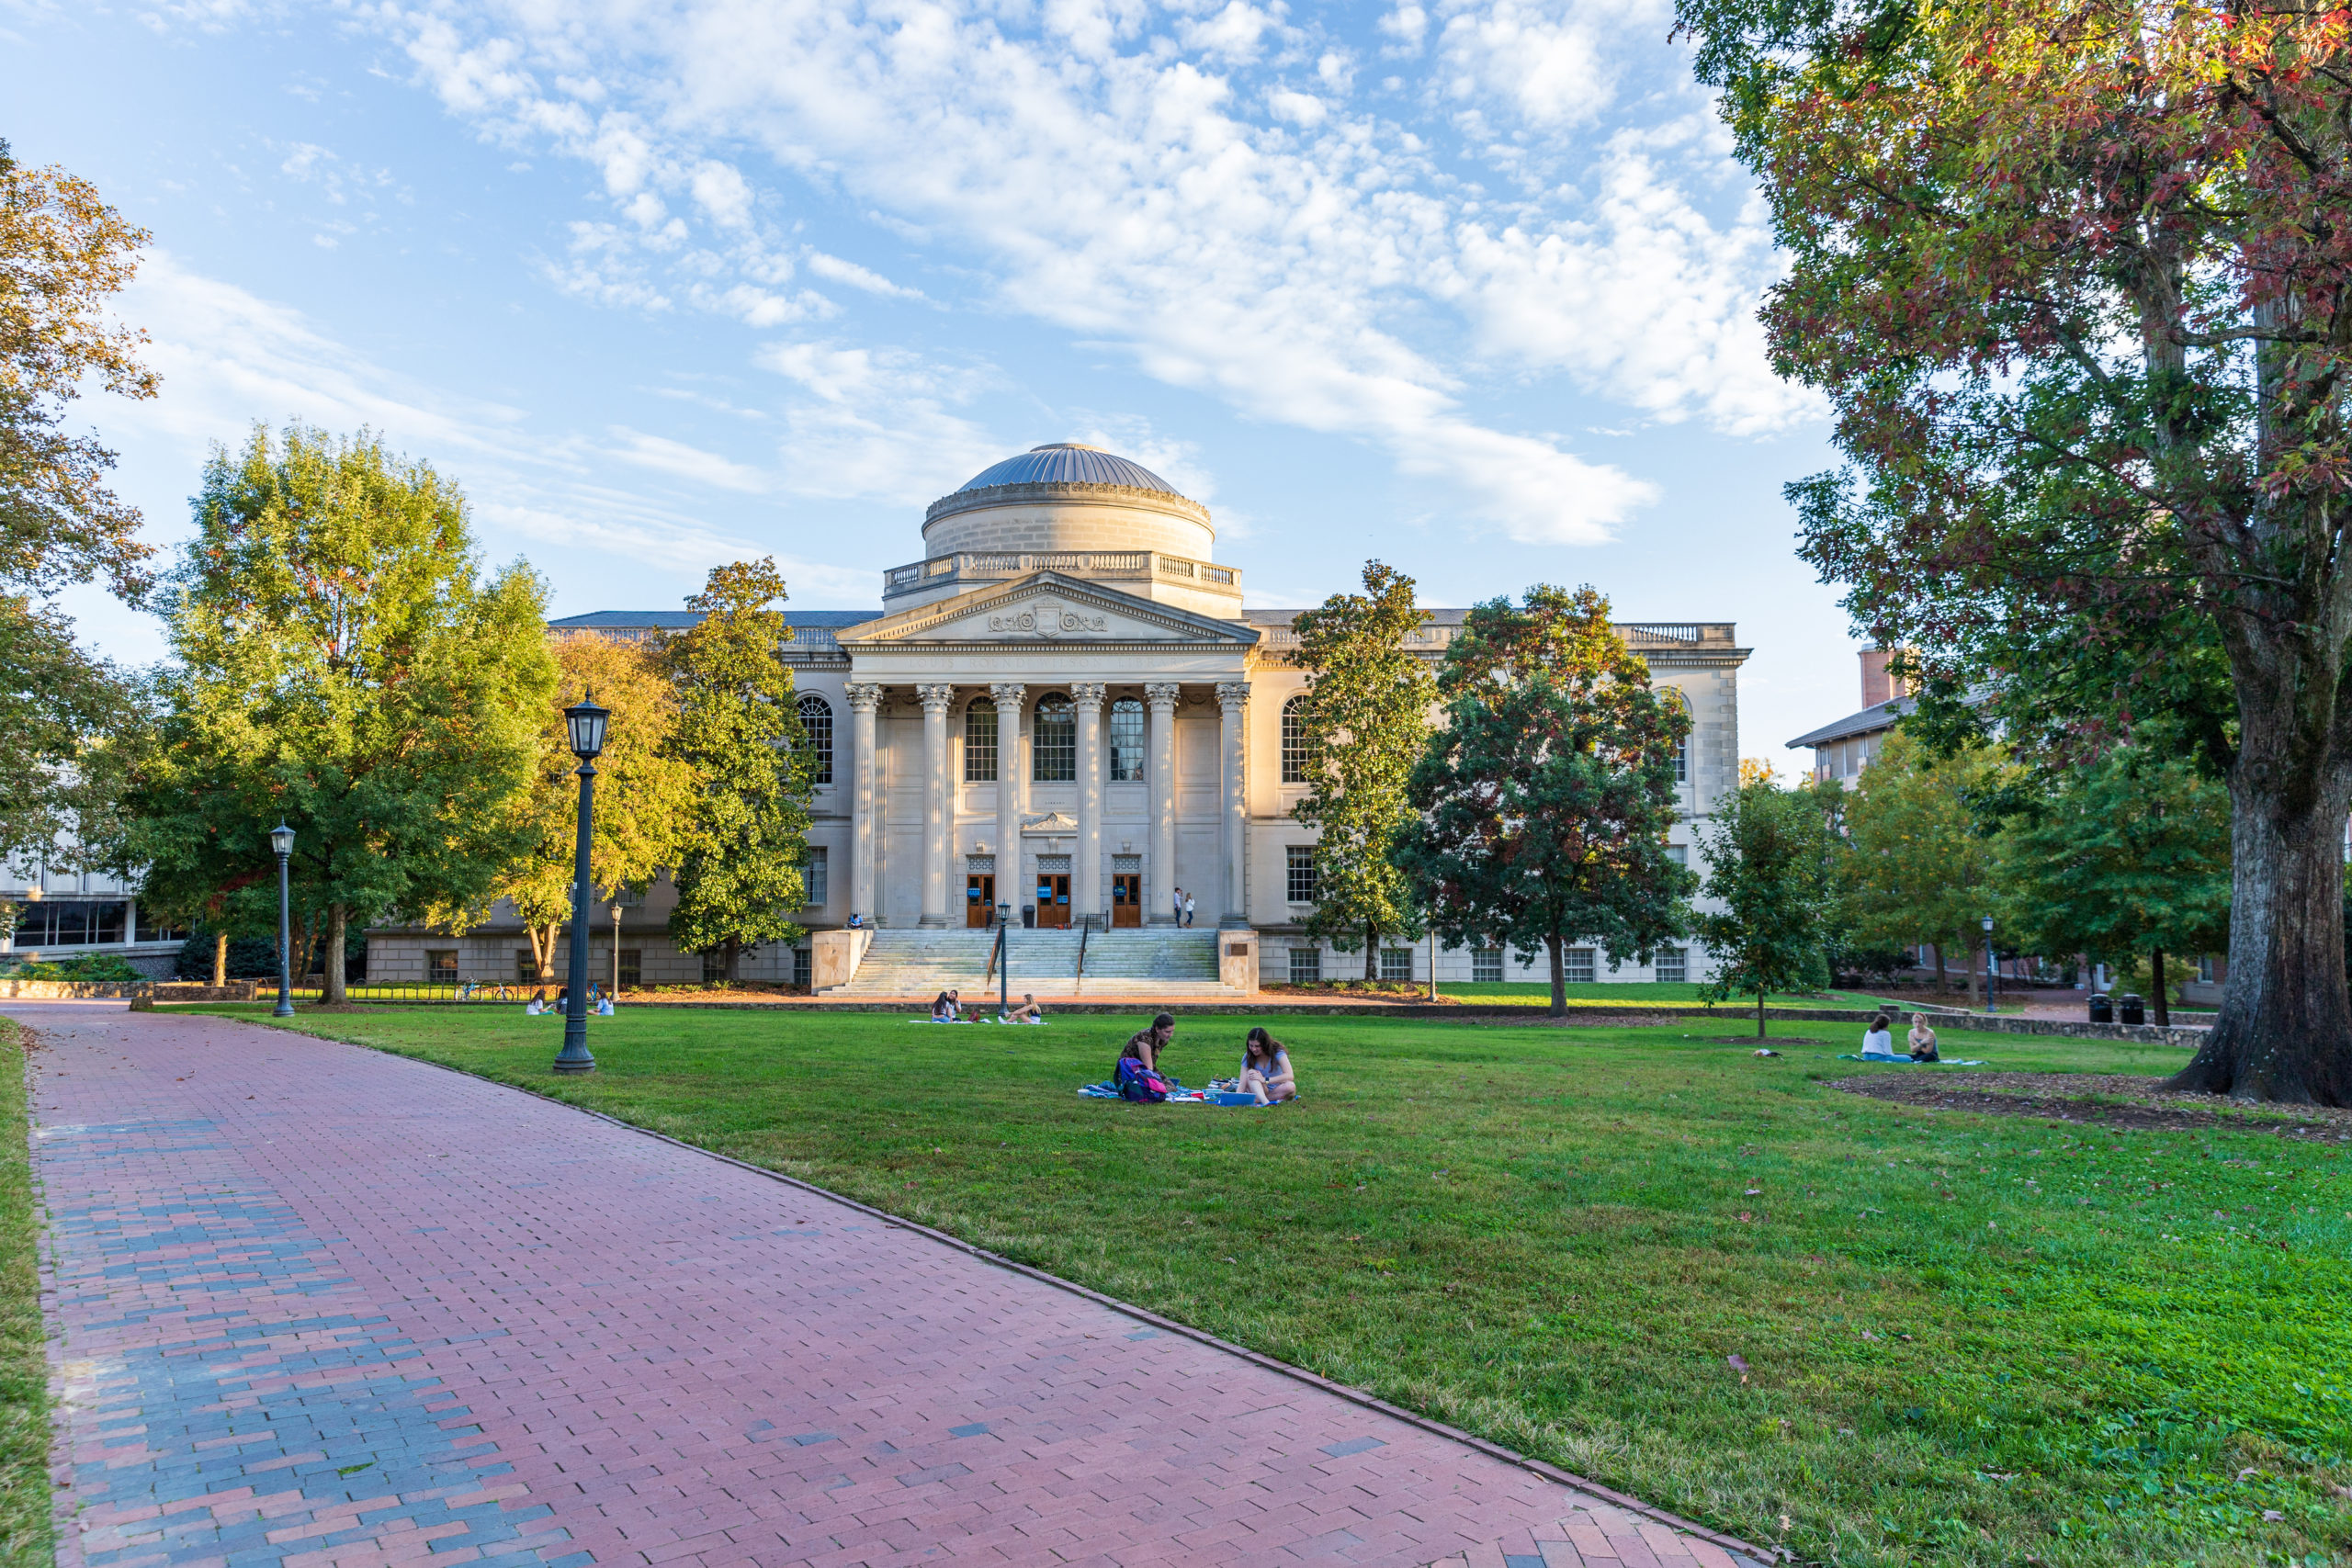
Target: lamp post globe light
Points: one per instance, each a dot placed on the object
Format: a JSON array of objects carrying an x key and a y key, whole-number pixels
[
  {"x": 281, "y": 838},
  {"x": 585, "y": 721}
]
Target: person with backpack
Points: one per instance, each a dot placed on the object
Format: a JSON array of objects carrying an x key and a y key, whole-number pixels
[{"x": 1139, "y": 1077}]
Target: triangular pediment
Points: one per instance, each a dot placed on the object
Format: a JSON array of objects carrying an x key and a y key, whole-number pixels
[{"x": 1046, "y": 608}]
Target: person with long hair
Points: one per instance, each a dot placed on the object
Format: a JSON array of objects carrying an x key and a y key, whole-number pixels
[
  {"x": 1878, "y": 1041},
  {"x": 1923, "y": 1040},
  {"x": 1266, "y": 1074}
]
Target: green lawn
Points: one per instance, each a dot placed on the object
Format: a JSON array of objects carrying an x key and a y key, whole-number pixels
[
  {"x": 26, "y": 1535},
  {"x": 1620, "y": 994},
  {"x": 1969, "y": 1339}
]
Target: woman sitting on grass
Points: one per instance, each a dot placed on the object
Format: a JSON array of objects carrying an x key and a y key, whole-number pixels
[
  {"x": 1027, "y": 1012},
  {"x": 538, "y": 1004},
  {"x": 943, "y": 1008},
  {"x": 1923, "y": 1040},
  {"x": 1266, "y": 1074},
  {"x": 1878, "y": 1043}
]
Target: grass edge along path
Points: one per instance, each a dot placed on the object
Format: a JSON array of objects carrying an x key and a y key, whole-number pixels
[
  {"x": 27, "y": 1523},
  {"x": 1494, "y": 1175}
]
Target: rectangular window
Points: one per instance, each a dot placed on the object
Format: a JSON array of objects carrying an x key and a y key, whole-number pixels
[
  {"x": 61, "y": 922},
  {"x": 714, "y": 967},
  {"x": 526, "y": 968},
  {"x": 2205, "y": 969},
  {"x": 1396, "y": 963},
  {"x": 1126, "y": 741},
  {"x": 1576, "y": 964},
  {"x": 1299, "y": 869},
  {"x": 813, "y": 873},
  {"x": 1679, "y": 853},
  {"x": 150, "y": 931},
  {"x": 1673, "y": 966},
  {"x": 1052, "y": 743},
  {"x": 804, "y": 966},
  {"x": 440, "y": 966},
  {"x": 1486, "y": 965},
  {"x": 979, "y": 743},
  {"x": 1305, "y": 966},
  {"x": 632, "y": 969}
]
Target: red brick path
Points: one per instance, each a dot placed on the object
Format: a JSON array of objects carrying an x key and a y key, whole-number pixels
[{"x": 324, "y": 1308}]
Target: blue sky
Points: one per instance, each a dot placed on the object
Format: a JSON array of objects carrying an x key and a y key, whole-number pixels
[{"x": 1468, "y": 286}]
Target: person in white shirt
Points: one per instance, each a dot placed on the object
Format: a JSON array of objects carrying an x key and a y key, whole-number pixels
[{"x": 1878, "y": 1043}]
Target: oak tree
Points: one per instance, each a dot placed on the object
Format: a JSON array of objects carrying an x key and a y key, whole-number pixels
[{"x": 1769, "y": 854}]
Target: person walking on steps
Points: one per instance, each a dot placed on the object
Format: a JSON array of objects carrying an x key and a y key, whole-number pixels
[{"x": 1188, "y": 908}]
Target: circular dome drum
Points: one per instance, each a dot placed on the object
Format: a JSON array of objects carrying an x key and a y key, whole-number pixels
[{"x": 1065, "y": 496}]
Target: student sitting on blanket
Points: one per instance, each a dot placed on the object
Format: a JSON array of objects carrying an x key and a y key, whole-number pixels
[
  {"x": 1923, "y": 1040},
  {"x": 1878, "y": 1043},
  {"x": 1027, "y": 1012},
  {"x": 1145, "y": 1044},
  {"x": 1266, "y": 1070},
  {"x": 943, "y": 1008}
]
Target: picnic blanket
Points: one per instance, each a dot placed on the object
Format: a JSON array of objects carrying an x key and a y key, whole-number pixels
[
  {"x": 1907, "y": 1062},
  {"x": 1033, "y": 1024},
  {"x": 1177, "y": 1093}
]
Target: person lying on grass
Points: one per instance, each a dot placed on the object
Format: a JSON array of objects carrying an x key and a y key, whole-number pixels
[
  {"x": 1923, "y": 1040},
  {"x": 1027, "y": 1012},
  {"x": 1878, "y": 1043},
  {"x": 1266, "y": 1073}
]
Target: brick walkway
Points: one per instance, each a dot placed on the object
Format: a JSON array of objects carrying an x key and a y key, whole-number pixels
[{"x": 324, "y": 1308}]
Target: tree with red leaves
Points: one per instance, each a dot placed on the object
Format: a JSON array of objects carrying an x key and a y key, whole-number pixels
[{"x": 2072, "y": 274}]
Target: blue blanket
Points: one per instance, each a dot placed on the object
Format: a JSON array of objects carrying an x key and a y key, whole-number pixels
[{"x": 1907, "y": 1062}]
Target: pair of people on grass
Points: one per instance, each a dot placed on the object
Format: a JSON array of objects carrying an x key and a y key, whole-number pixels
[
  {"x": 1878, "y": 1043},
  {"x": 947, "y": 1008},
  {"x": 1266, "y": 1072}
]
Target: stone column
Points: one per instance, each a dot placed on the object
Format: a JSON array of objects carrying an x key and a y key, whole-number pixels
[
  {"x": 1232, "y": 701},
  {"x": 863, "y": 814},
  {"x": 1010, "y": 777},
  {"x": 938, "y": 797},
  {"x": 1159, "y": 878},
  {"x": 1086, "y": 881}
]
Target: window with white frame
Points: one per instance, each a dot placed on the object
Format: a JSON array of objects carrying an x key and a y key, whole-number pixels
[
  {"x": 817, "y": 721},
  {"x": 1577, "y": 966},
  {"x": 1299, "y": 875},
  {"x": 1126, "y": 741},
  {"x": 441, "y": 966},
  {"x": 813, "y": 875},
  {"x": 1486, "y": 965},
  {"x": 1396, "y": 963},
  {"x": 1673, "y": 965},
  {"x": 1300, "y": 755},
  {"x": 1305, "y": 966},
  {"x": 979, "y": 743},
  {"x": 1053, "y": 741},
  {"x": 1679, "y": 853}
]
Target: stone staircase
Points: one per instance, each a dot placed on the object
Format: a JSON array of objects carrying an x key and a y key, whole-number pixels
[{"x": 1154, "y": 961}]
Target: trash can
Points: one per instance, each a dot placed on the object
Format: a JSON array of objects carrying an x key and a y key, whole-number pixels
[
  {"x": 1029, "y": 917},
  {"x": 2102, "y": 1009},
  {"x": 2133, "y": 1011}
]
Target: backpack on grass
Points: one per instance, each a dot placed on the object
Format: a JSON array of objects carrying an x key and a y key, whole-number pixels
[{"x": 1139, "y": 1083}]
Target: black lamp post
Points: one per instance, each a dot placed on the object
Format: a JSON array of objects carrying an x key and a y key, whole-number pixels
[
  {"x": 586, "y": 721},
  {"x": 281, "y": 838},
  {"x": 1991, "y": 971}
]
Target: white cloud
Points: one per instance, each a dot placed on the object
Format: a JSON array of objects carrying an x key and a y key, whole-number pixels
[
  {"x": 876, "y": 424},
  {"x": 667, "y": 457},
  {"x": 1548, "y": 62},
  {"x": 856, "y": 277}
]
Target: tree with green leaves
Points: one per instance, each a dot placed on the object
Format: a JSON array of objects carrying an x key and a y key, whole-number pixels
[
  {"x": 64, "y": 715},
  {"x": 2074, "y": 275},
  {"x": 740, "y": 874},
  {"x": 1769, "y": 854},
  {"x": 1547, "y": 798},
  {"x": 341, "y": 664},
  {"x": 645, "y": 791},
  {"x": 1363, "y": 722},
  {"x": 2128, "y": 857},
  {"x": 1919, "y": 865}
]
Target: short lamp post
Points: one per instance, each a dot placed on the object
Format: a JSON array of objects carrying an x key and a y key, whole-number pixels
[
  {"x": 281, "y": 838},
  {"x": 587, "y": 722},
  {"x": 615, "y": 912},
  {"x": 1991, "y": 971}
]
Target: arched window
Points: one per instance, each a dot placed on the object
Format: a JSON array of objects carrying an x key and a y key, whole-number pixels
[
  {"x": 817, "y": 719},
  {"x": 1053, "y": 741},
  {"x": 1301, "y": 757},
  {"x": 1126, "y": 741},
  {"x": 979, "y": 743}
]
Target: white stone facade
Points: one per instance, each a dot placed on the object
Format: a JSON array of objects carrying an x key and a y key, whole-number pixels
[{"x": 1072, "y": 713}]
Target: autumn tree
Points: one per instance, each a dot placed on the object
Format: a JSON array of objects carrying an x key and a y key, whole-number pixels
[
  {"x": 340, "y": 663},
  {"x": 1362, "y": 725},
  {"x": 1546, "y": 798},
  {"x": 1769, "y": 854},
  {"x": 1919, "y": 862},
  {"x": 2126, "y": 858},
  {"x": 64, "y": 254},
  {"x": 2072, "y": 274},
  {"x": 645, "y": 791},
  {"x": 739, "y": 871}
]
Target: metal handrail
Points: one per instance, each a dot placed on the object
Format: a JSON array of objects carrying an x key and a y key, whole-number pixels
[{"x": 1084, "y": 931}]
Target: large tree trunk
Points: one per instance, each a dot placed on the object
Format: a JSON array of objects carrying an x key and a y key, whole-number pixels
[
  {"x": 1371, "y": 951},
  {"x": 220, "y": 958},
  {"x": 1943, "y": 981},
  {"x": 2164, "y": 1004},
  {"x": 2285, "y": 1029},
  {"x": 734, "y": 952},
  {"x": 330, "y": 961},
  {"x": 1559, "y": 976},
  {"x": 1759, "y": 1015},
  {"x": 1975, "y": 977},
  {"x": 543, "y": 950}
]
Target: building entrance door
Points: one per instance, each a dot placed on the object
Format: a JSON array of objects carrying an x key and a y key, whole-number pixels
[
  {"x": 980, "y": 898},
  {"x": 1126, "y": 899},
  {"x": 1053, "y": 899}
]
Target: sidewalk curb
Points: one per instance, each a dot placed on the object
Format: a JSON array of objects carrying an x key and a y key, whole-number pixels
[{"x": 1746, "y": 1551}]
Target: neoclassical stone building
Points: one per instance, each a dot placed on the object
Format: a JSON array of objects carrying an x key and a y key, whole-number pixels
[{"x": 1065, "y": 706}]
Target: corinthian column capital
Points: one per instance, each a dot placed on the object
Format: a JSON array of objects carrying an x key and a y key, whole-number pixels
[
  {"x": 861, "y": 697},
  {"x": 1008, "y": 696},
  {"x": 936, "y": 699},
  {"x": 1162, "y": 696},
  {"x": 1086, "y": 694},
  {"x": 1232, "y": 693}
]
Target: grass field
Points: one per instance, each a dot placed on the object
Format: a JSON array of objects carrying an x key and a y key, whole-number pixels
[
  {"x": 1968, "y": 1339},
  {"x": 25, "y": 1530},
  {"x": 1620, "y": 995}
]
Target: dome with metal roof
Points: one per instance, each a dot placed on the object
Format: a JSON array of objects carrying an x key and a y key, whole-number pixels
[{"x": 1068, "y": 462}]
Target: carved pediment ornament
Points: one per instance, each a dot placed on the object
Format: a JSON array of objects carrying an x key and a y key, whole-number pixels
[{"x": 1051, "y": 822}]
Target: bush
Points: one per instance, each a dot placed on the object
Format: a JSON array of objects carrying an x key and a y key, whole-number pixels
[
  {"x": 95, "y": 967},
  {"x": 250, "y": 957}
]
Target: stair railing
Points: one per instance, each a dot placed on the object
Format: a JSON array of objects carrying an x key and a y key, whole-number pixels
[{"x": 1083, "y": 932}]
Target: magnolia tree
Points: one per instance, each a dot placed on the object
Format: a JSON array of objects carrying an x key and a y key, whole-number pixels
[
  {"x": 2072, "y": 274},
  {"x": 1546, "y": 798},
  {"x": 1363, "y": 725}
]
